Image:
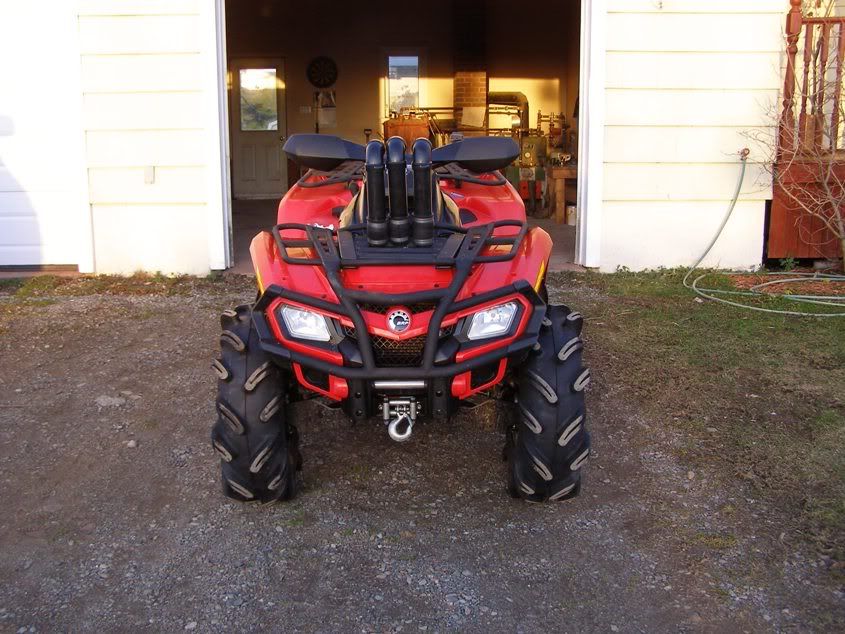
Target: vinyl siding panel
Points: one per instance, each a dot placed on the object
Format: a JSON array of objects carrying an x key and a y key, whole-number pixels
[
  {"x": 143, "y": 111},
  {"x": 703, "y": 32},
  {"x": 681, "y": 181},
  {"x": 143, "y": 101},
  {"x": 110, "y": 8},
  {"x": 166, "y": 238},
  {"x": 128, "y": 186},
  {"x": 693, "y": 71},
  {"x": 677, "y": 233},
  {"x": 126, "y": 34},
  {"x": 678, "y": 144},
  {"x": 139, "y": 148},
  {"x": 744, "y": 108},
  {"x": 697, "y": 7},
  {"x": 141, "y": 73},
  {"x": 688, "y": 86}
]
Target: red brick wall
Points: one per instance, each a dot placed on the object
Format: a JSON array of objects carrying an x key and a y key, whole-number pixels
[
  {"x": 470, "y": 82},
  {"x": 470, "y": 88}
]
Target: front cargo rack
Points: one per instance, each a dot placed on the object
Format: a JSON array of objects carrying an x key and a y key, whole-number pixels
[{"x": 348, "y": 247}]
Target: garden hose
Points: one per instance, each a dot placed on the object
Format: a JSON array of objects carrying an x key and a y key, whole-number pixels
[{"x": 755, "y": 291}]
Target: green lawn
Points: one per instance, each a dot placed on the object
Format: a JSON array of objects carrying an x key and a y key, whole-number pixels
[{"x": 761, "y": 396}]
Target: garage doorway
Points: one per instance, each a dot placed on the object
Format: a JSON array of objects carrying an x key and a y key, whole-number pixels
[{"x": 469, "y": 67}]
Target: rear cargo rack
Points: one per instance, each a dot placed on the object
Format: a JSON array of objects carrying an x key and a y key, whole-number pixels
[
  {"x": 348, "y": 247},
  {"x": 354, "y": 171},
  {"x": 454, "y": 172},
  {"x": 343, "y": 173}
]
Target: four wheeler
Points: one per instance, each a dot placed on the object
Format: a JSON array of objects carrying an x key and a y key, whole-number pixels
[{"x": 401, "y": 286}]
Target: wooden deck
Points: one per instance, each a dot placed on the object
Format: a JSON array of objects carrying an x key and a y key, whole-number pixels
[{"x": 810, "y": 141}]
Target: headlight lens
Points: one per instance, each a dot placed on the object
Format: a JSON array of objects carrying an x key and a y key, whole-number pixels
[
  {"x": 305, "y": 324},
  {"x": 492, "y": 321}
]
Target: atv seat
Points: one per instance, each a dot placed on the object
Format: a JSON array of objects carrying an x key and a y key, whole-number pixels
[{"x": 445, "y": 209}]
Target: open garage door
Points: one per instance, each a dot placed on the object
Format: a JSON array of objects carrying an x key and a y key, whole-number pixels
[{"x": 385, "y": 69}]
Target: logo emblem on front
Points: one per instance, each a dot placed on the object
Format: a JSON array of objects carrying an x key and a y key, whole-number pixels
[{"x": 398, "y": 320}]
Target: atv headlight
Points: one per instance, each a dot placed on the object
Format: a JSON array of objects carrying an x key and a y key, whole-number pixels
[
  {"x": 305, "y": 324},
  {"x": 492, "y": 321}
]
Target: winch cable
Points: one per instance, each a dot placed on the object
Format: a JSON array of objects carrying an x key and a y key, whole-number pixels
[{"x": 792, "y": 276}]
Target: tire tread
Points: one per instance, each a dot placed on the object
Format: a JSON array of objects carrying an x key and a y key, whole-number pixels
[{"x": 550, "y": 395}]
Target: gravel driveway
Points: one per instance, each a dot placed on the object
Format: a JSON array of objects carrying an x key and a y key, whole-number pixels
[{"x": 113, "y": 519}]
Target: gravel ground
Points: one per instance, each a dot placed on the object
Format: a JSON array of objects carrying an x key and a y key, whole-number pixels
[{"x": 113, "y": 517}]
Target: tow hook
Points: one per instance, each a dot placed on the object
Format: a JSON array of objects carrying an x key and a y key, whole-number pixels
[{"x": 399, "y": 415}]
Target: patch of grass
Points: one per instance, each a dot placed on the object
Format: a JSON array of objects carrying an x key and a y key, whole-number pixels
[
  {"x": 770, "y": 385},
  {"x": 715, "y": 541},
  {"x": 9, "y": 286},
  {"x": 136, "y": 284},
  {"x": 823, "y": 470},
  {"x": 39, "y": 285},
  {"x": 828, "y": 420}
]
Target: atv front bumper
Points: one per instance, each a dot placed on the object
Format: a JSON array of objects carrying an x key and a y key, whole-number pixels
[{"x": 452, "y": 367}]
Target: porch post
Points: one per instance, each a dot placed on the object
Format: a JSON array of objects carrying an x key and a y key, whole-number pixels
[{"x": 787, "y": 124}]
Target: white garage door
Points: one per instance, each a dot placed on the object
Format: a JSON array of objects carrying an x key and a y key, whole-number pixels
[{"x": 41, "y": 175}]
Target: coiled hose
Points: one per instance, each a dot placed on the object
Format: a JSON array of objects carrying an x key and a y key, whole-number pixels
[{"x": 755, "y": 291}]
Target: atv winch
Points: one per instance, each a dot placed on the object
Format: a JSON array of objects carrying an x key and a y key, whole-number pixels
[
  {"x": 401, "y": 285},
  {"x": 399, "y": 416}
]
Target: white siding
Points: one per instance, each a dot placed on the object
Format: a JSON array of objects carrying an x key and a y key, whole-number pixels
[
  {"x": 131, "y": 238},
  {"x": 144, "y": 110},
  {"x": 686, "y": 82}
]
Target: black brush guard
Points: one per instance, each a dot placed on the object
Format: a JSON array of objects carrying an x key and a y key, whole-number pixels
[{"x": 453, "y": 247}]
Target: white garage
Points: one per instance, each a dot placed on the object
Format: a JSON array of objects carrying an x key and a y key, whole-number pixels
[{"x": 116, "y": 129}]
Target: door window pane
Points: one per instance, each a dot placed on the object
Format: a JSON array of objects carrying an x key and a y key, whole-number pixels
[
  {"x": 258, "y": 99},
  {"x": 403, "y": 82}
]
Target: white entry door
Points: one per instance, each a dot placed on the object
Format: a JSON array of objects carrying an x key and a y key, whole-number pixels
[{"x": 259, "y": 168}]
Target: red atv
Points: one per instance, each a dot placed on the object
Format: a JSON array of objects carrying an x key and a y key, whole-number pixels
[{"x": 401, "y": 286}]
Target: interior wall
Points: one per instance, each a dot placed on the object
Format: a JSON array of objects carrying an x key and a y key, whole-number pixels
[
  {"x": 533, "y": 54},
  {"x": 536, "y": 53},
  {"x": 357, "y": 39}
]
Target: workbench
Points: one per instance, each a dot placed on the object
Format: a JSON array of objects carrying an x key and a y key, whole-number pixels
[{"x": 558, "y": 176}]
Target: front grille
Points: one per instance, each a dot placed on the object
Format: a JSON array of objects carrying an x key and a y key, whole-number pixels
[
  {"x": 402, "y": 353},
  {"x": 392, "y": 353},
  {"x": 414, "y": 308}
]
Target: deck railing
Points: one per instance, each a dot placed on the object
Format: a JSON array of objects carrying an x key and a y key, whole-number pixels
[{"x": 813, "y": 85}]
